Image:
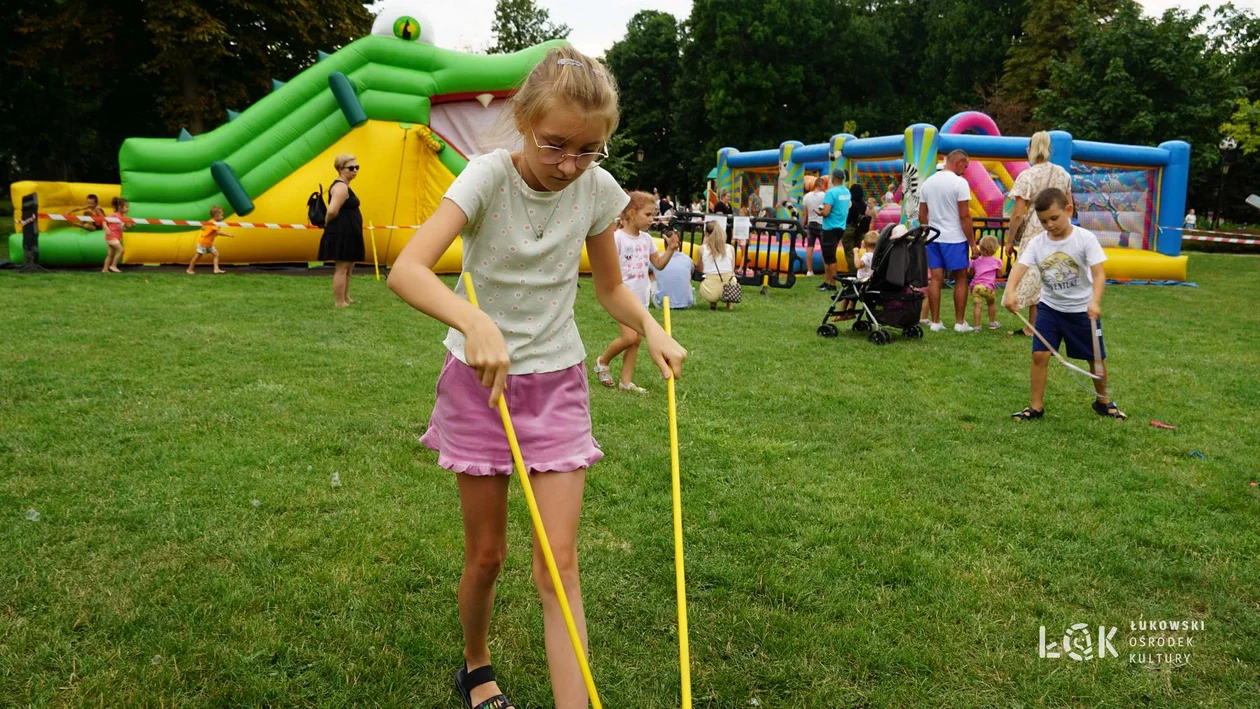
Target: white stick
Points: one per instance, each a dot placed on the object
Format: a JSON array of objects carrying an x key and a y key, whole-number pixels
[{"x": 1054, "y": 351}]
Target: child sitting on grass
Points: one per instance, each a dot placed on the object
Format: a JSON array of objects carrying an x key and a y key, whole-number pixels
[
  {"x": 205, "y": 242},
  {"x": 984, "y": 272}
]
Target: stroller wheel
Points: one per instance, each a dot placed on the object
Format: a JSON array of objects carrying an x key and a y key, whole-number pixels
[
  {"x": 879, "y": 337},
  {"x": 914, "y": 332},
  {"x": 828, "y": 330},
  {"x": 861, "y": 326}
]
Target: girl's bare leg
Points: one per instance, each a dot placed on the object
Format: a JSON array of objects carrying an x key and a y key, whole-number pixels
[
  {"x": 559, "y": 498},
  {"x": 483, "y": 501}
]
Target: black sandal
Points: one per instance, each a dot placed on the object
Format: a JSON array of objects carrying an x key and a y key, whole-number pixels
[
  {"x": 466, "y": 682},
  {"x": 1028, "y": 414},
  {"x": 1019, "y": 332},
  {"x": 1109, "y": 409}
]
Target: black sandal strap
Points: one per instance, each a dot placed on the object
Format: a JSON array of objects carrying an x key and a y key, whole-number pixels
[
  {"x": 1109, "y": 409},
  {"x": 478, "y": 677},
  {"x": 1028, "y": 414},
  {"x": 466, "y": 681}
]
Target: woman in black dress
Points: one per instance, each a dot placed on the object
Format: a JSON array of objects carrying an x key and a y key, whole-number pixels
[{"x": 343, "y": 229}]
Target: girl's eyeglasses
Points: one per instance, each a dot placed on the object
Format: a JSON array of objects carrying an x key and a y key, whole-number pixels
[
  {"x": 352, "y": 168},
  {"x": 551, "y": 155}
]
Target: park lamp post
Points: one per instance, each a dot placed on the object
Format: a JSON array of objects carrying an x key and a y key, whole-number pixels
[{"x": 1229, "y": 152}]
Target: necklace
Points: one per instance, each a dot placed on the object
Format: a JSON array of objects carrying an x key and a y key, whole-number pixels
[{"x": 538, "y": 233}]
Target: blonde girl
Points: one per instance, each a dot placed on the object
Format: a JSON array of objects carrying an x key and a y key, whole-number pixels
[
  {"x": 525, "y": 217},
  {"x": 716, "y": 259},
  {"x": 635, "y": 251},
  {"x": 864, "y": 255}
]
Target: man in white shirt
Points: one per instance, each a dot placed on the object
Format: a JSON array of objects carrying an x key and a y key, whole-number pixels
[
  {"x": 946, "y": 205},
  {"x": 813, "y": 221}
]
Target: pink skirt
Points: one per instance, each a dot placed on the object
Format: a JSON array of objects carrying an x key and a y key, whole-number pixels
[{"x": 551, "y": 413}]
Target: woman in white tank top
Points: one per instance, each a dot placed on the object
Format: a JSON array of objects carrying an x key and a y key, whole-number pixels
[{"x": 716, "y": 259}]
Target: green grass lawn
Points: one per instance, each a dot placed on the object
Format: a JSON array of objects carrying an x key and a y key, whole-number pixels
[
  {"x": 6, "y": 222},
  {"x": 865, "y": 527}
]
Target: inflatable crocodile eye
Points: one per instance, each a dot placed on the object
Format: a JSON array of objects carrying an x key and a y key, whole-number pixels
[
  {"x": 404, "y": 19},
  {"x": 407, "y": 27}
]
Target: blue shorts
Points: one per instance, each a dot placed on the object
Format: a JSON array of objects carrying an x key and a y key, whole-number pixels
[
  {"x": 1069, "y": 328},
  {"x": 951, "y": 257}
]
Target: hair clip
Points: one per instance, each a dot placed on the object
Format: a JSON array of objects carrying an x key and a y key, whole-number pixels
[{"x": 565, "y": 61}]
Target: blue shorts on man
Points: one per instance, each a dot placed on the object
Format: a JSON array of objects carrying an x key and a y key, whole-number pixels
[{"x": 951, "y": 257}]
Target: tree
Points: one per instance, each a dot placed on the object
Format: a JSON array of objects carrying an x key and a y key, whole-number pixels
[
  {"x": 646, "y": 64},
  {"x": 620, "y": 163},
  {"x": 1142, "y": 81},
  {"x": 66, "y": 88},
  {"x": 211, "y": 55},
  {"x": 520, "y": 24},
  {"x": 965, "y": 45},
  {"x": 1244, "y": 126},
  {"x": 80, "y": 77},
  {"x": 751, "y": 77},
  {"x": 758, "y": 72},
  {"x": 1237, "y": 37},
  {"x": 1044, "y": 37}
]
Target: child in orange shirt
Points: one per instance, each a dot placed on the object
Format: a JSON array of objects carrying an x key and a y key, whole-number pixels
[
  {"x": 113, "y": 235},
  {"x": 205, "y": 242}
]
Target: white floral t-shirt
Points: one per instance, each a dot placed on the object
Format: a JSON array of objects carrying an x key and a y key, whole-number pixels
[
  {"x": 635, "y": 253},
  {"x": 527, "y": 281}
]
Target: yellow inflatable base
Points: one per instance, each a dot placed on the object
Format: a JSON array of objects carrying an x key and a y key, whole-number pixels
[
  {"x": 1122, "y": 264},
  {"x": 1138, "y": 265},
  {"x": 61, "y": 198}
]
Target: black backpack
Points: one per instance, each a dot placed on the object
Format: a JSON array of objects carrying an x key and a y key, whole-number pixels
[{"x": 316, "y": 209}]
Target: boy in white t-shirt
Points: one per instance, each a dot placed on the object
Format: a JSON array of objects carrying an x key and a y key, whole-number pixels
[{"x": 1072, "y": 281}]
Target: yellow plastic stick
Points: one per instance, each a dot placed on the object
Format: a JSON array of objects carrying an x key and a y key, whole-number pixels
[
  {"x": 680, "y": 577},
  {"x": 375, "y": 264},
  {"x": 540, "y": 531}
]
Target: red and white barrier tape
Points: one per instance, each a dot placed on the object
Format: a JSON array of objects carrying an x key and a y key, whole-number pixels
[
  {"x": 195, "y": 223},
  {"x": 1220, "y": 237},
  {"x": 1225, "y": 237}
]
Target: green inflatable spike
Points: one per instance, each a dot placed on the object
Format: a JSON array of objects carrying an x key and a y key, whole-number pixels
[
  {"x": 289, "y": 128},
  {"x": 233, "y": 115},
  {"x": 225, "y": 177},
  {"x": 346, "y": 97},
  {"x": 321, "y": 55},
  {"x": 276, "y": 84},
  {"x": 184, "y": 135}
]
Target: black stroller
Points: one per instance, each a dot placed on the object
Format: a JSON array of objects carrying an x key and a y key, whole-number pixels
[{"x": 892, "y": 297}]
